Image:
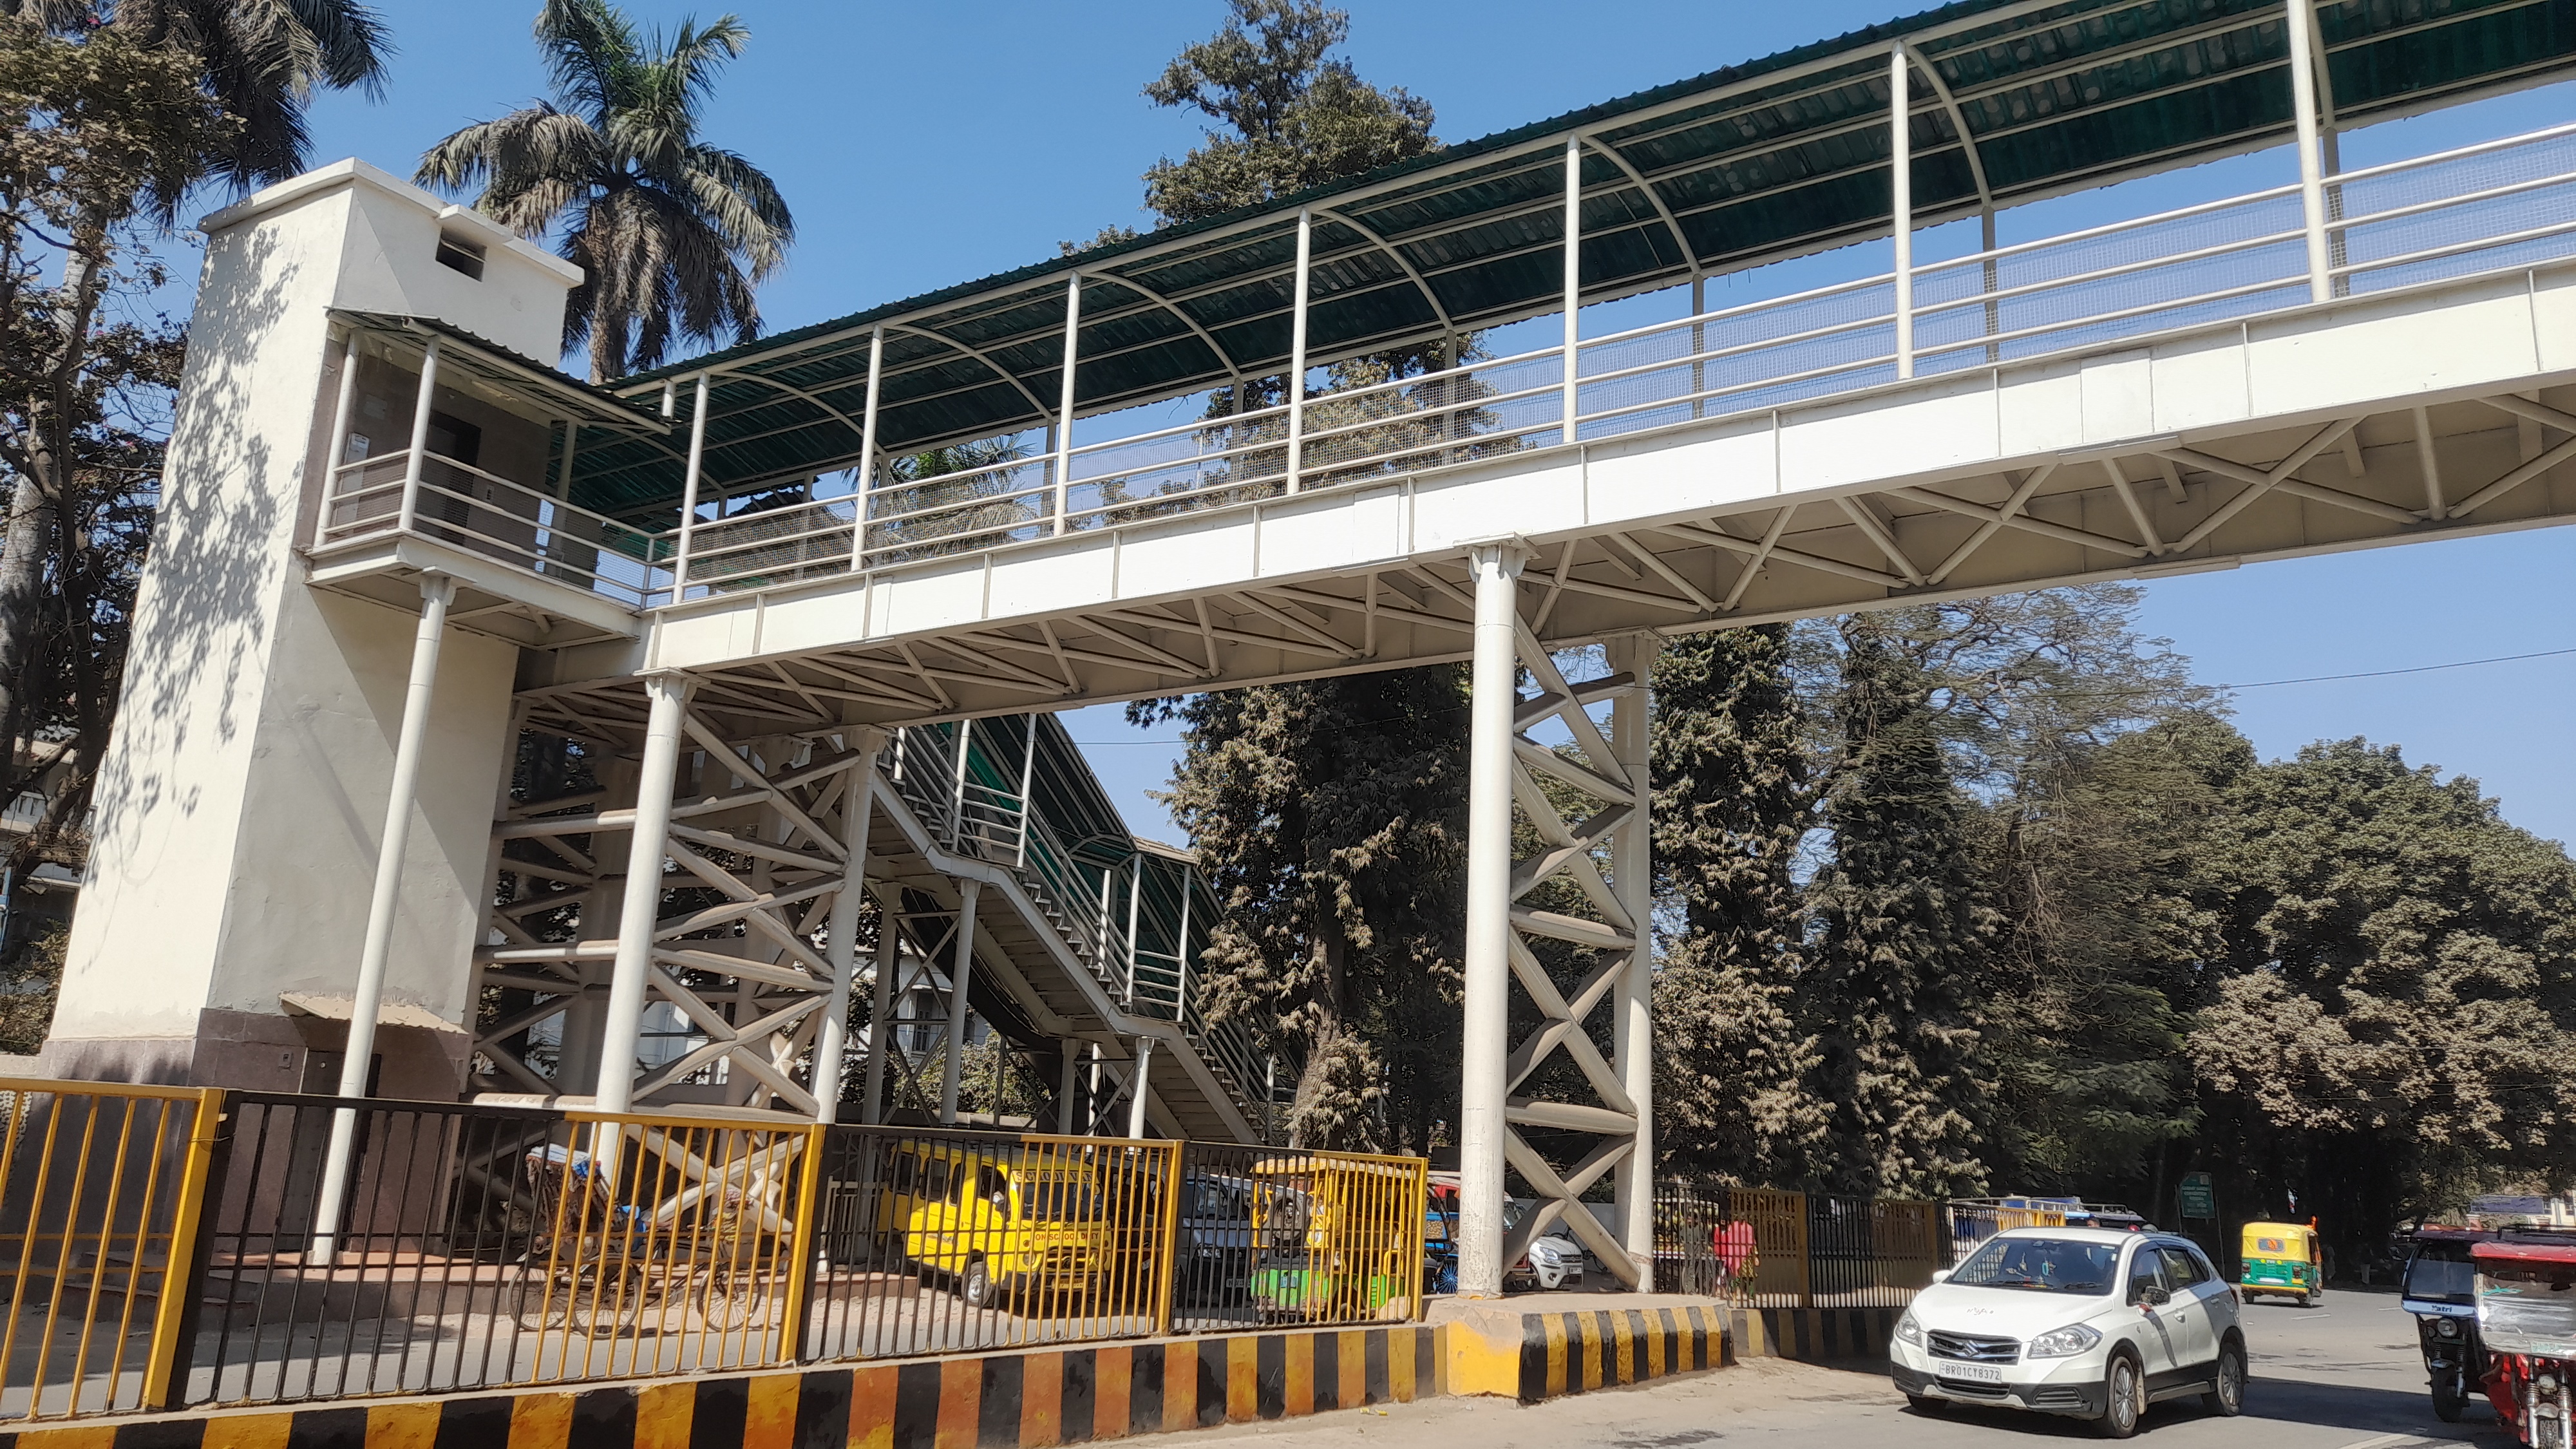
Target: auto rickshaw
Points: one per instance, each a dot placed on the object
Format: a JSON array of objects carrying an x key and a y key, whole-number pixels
[
  {"x": 1336, "y": 1240},
  {"x": 2526, "y": 1286},
  {"x": 2283, "y": 1260},
  {"x": 2440, "y": 1290}
]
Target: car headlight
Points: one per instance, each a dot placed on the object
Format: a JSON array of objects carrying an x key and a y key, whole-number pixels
[
  {"x": 2547, "y": 1383},
  {"x": 1909, "y": 1331},
  {"x": 2063, "y": 1342}
]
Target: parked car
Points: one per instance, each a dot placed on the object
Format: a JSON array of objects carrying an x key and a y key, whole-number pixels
[
  {"x": 2090, "y": 1323},
  {"x": 1552, "y": 1260}
]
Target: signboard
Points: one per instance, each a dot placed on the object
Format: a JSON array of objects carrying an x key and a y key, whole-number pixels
[{"x": 2198, "y": 1198}]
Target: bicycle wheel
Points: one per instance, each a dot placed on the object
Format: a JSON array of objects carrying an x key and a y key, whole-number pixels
[
  {"x": 538, "y": 1299},
  {"x": 735, "y": 1298},
  {"x": 604, "y": 1302}
]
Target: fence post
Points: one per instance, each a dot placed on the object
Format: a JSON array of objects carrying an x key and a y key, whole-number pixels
[
  {"x": 800, "y": 1263},
  {"x": 1806, "y": 1252},
  {"x": 1167, "y": 1281},
  {"x": 174, "y": 1316}
]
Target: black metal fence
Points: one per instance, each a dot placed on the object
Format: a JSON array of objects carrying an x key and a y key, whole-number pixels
[
  {"x": 1767, "y": 1248},
  {"x": 478, "y": 1247}
]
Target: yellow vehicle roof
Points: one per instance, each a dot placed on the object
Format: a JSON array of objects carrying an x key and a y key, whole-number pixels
[
  {"x": 1333, "y": 1166},
  {"x": 2276, "y": 1230}
]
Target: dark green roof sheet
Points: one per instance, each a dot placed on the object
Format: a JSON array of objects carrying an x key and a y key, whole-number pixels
[{"x": 1753, "y": 163}]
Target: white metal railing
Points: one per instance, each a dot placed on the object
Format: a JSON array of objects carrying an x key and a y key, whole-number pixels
[
  {"x": 972, "y": 818},
  {"x": 459, "y": 504},
  {"x": 2497, "y": 206}
]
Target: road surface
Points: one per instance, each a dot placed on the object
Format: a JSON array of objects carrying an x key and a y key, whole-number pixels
[{"x": 2342, "y": 1376}]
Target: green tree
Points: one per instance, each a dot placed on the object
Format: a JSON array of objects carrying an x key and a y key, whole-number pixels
[
  {"x": 1330, "y": 819},
  {"x": 671, "y": 233},
  {"x": 1732, "y": 806},
  {"x": 1292, "y": 116},
  {"x": 2393, "y": 1029},
  {"x": 1329, "y": 815},
  {"x": 1900, "y": 939},
  {"x": 109, "y": 115}
]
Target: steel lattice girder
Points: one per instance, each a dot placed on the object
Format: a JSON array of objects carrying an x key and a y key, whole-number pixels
[{"x": 1583, "y": 807}]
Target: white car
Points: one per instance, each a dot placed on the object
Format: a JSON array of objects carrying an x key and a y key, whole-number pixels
[{"x": 2085, "y": 1322}]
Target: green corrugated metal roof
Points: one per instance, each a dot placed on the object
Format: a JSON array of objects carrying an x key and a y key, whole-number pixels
[{"x": 1753, "y": 163}]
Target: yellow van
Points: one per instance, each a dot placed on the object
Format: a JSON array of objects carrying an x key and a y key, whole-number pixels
[{"x": 995, "y": 1222}]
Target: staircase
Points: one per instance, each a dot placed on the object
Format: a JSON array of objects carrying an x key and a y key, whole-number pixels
[{"x": 1100, "y": 933}]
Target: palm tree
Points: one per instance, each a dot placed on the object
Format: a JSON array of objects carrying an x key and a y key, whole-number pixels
[{"x": 670, "y": 233}]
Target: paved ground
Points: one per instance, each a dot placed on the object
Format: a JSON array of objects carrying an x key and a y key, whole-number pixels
[{"x": 2343, "y": 1376}]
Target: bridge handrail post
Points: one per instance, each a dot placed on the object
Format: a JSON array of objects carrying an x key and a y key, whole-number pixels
[
  {"x": 1573, "y": 279},
  {"x": 2303, "y": 107},
  {"x": 1297, "y": 345},
  {"x": 1900, "y": 153},
  {"x": 867, "y": 470},
  {"x": 1064, "y": 404}
]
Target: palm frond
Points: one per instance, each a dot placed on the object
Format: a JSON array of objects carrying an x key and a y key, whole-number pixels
[
  {"x": 591, "y": 55},
  {"x": 740, "y": 201}
]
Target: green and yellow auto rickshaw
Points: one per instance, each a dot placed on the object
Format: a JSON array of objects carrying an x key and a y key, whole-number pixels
[
  {"x": 2283, "y": 1260},
  {"x": 1337, "y": 1238}
]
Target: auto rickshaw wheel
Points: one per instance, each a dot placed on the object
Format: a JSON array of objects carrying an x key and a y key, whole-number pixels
[{"x": 2448, "y": 1402}]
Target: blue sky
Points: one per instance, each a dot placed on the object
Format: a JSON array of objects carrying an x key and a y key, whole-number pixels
[{"x": 922, "y": 145}]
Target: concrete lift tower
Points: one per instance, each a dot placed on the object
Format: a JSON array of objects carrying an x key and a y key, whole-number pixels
[{"x": 392, "y": 548}]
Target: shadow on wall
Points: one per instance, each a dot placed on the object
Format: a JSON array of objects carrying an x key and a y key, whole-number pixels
[{"x": 215, "y": 561}]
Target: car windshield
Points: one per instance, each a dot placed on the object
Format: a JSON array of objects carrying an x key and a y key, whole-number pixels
[{"x": 2042, "y": 1265}]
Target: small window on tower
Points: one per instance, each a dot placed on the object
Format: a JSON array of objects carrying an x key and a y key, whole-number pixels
[{"x": 458, "y": 254}]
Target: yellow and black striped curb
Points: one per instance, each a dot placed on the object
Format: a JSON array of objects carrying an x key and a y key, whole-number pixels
[
  {"x": 1534, "y": 1356},
  {"x": 1015, "y": 1400},
  {"x": 1814, "y": 1335}
]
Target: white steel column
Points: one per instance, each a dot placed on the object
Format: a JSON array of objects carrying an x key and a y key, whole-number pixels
[
  {"x": 1136, "y": 1099},
  {"x": 1482, "y": 1074},
  {"x": 867, "y": 453},
  {"x": 960, "y": 972},
  {"x": 1573, "y": 299},
  {"x": 689, "y": 492},
  {"x": 881, "y": 1010},
  {"x": 2303, "y": 106},
  {"x": 341, "y": 411},
  {"x": 1900, "y": 151},
  {"x": 1071, "y": 1073},
  {"x": 419, "y": 434},
  {"x": 668, "y": 695},
  {"x": 1632, "y": 867},
  {"x": 831, "y": 1035},
  {"x": 1064, "y": 404},
  {"x": 437, "y": 591},
  {"x": 1297, "y": 346}
]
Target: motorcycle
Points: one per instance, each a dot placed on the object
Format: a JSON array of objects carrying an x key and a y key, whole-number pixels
[{"x": 2526, "y": 1291}]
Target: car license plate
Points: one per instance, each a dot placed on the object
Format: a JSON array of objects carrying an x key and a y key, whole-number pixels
[{"x": 1980, "y": 1373}]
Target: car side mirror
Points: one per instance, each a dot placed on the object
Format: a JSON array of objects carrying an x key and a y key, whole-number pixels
[
  {"x": 2153, "y": 1296},
  {"x": 1940, "y": 1275}
]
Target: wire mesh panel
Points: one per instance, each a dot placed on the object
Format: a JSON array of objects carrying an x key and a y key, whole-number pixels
[
  {"x": 938, "y": 1241},
  {"x": 99, "y": 1190},
  {"x": 1272, "y": 1236}
]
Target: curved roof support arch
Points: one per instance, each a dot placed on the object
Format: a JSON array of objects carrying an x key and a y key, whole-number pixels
[
  {"x": 1654, "y": 198},
  {"x": 1395, "y": 255},
  {"x": 998, "y": 370},
  {"x": 1233, "y": 373},
  {"x": 1959, "y": 125}
]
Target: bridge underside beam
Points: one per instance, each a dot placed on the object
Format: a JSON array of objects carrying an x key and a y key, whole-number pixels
[{"x": 2363, "y": 422}]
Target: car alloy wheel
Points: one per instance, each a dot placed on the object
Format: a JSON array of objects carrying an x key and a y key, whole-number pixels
[
  {"x": 977, "y": 1288},
  {"x": 2124, "y": 1398},
  {"x": 2226, "y": 1397}
]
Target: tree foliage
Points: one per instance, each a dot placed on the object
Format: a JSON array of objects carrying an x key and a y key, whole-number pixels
[
  {"x": 1289, "y": 115},
  {"x": 1733, "y": 803},
  {"x": 670, "y": 232}
]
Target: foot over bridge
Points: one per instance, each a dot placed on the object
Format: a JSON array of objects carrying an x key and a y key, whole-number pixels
[{"x": 720, "y": 587}]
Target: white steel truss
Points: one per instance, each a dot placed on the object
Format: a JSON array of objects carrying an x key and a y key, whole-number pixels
[{"x": 765, "y": 844}]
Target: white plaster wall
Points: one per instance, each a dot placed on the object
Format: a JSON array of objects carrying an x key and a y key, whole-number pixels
[{"x": 237, "y": 811}]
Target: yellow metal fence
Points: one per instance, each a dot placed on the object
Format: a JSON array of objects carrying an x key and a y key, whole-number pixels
[
  {"x": 100, "y": 1188},
  {"x": 167, "y": 1250}
]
